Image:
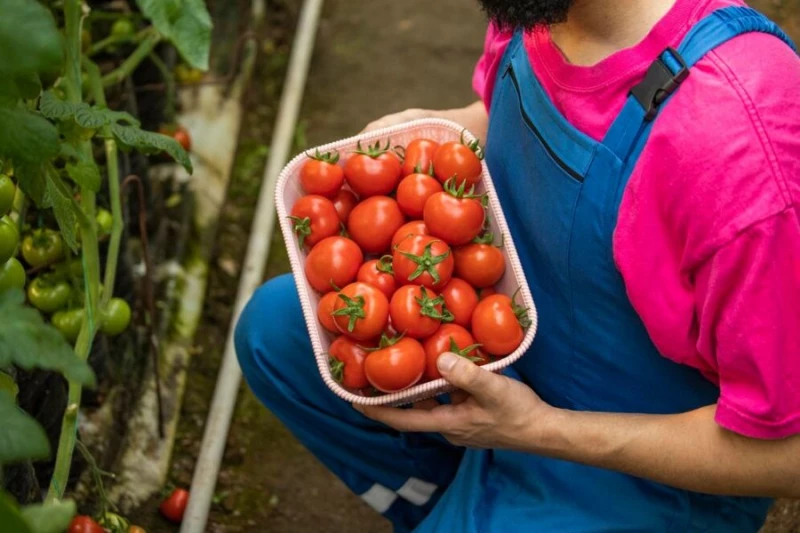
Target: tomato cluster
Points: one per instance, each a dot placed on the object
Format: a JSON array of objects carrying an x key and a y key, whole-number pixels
[{"x": 399, "y": 249}]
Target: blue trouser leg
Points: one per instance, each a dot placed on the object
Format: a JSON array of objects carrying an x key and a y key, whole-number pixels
[{"x": 402, "y": 476}]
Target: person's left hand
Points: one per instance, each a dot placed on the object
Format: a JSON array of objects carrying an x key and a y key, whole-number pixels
[{"x": 493, "y": 411}]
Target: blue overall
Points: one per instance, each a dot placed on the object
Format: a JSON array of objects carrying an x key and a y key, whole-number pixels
[{"x": 560, "y": 191}]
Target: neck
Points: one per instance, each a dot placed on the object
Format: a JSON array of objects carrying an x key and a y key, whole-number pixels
[{"x": 595, "y": 29}]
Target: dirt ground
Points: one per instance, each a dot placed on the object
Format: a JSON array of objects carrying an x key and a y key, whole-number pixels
[{"x": 372, "y": 57}]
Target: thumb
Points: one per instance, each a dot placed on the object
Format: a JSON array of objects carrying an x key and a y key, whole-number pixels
[{"x": 469, "y": 377}]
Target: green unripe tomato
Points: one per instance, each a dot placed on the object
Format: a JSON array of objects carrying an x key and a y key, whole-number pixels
[
  {"x": 104, "y": 221},
  {"x": 69, "y": 323},
  {"x": 9, "y": 239},
  {"x": 48, "y": 294},
  {"x": 7, "y": 193},
  {"x": 42, "y": 247},
  {"x": 116, "y": 318},
  {"x": 123, "y": 28},
  {"x": 12, "y": 275}
]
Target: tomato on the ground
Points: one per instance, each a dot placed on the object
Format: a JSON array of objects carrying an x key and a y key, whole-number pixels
[
  {"x": 347, "y": 363},
  {"x": 423, "y": 260},
  {"x": 9, "y": 239},
  {"x": 373, "y": 223},
  {"x": 450, "y": 338},
  {"x": 314, "y": 218},
  {"x": 373, "y": 171},
  {"x": 415, "y": 227},
  {"x": 325, "y": 311},
  {"x": 455, "y": 216},
  {"x": 418, "y": 156},
  {"x": 361, "y": 311},
  {"x": 460, "y": 299},
  {"x": 322, "y": 175},
  {"x": 417, "y": 312},
  {"x": 414, "y": 191},
  {"x": 116, "y": 318},
  {"x": 459, "y": 161},
  {"x": 481, "y": 265},
  {"x": 68, "y": 322},
  {"x": 48, "y": 294},
  {"x": 498, "y": 324},
  {"x": 344, "y": 202},
  {"x": 175, "y": 505},
  {"x": 42, "y": 247},
  {"x": 333, "y": 262},
  {"x": 379, "y": 274},
  {"x": 7, "y": 192},
  {"x": 396, "y": 365},
  {"x": 12, "y": 275},
  {"x": 84, "y": 524}
]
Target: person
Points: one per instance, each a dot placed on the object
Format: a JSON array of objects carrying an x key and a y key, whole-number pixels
[{"x": 647, "y": 157}]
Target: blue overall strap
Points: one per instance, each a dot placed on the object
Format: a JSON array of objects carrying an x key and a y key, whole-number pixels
[{"x": 668, "y": 71}]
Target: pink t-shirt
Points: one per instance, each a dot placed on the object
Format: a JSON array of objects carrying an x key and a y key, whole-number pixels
[{"x": 708, "y": 238}]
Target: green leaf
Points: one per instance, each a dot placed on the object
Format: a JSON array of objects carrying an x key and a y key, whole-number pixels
[
  {"x": 63, "y": 208},
  {"x": 148, "y": 141},
  {"x": 50, "y": 517},
  {"x": 25, "y": 86},
  {"x": 85, "y": 174},
  {"x": 32, "y": 179},
  {"x": 86, "y": 116},
  {"x": 8, "y": 386},
  {"x": 186, "y": 23},
  {"x": 28, "y": 342},
  {"x": 10, "y": 516},
  {"x": 22, "y": 437},
  {"x": 29, "y": 39},
  {"x": 26, "y": 136},
  {"x": 55, "y": 108}
]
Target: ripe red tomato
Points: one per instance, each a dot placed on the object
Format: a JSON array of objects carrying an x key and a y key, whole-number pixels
[
  {"x": 416, "y": 311},
  {"x": 497, "y": 323},
  {"x": 344, "y": 202},
  {"x": 379, "y": 274},
  {"x": 415, "y": 227},
  {"x": 481, "y": 265},
  {"x": 397, "y": 365},
  {"x": 333, "y": 261},
  {"x": 419, "y": 156},
  {"x": 423, "y": 260},
  {"x": 361, "y": 311},
  {"x": 485, "y": 293},
  {"x": 180, "y": 134},
  {"x": 84, "y": 524},
  {"x": 321, "y": 174},
  {"x": 455, "y": 159},
  {"x": 347, "y": 363},
  {"x": 373, "y": 223},
  {"x": 460, "y": 299},
  {"x": 325, "y": 312},
  {"x": 372, "y": 172},
  {"x": 450, "y": 338},
  {"x": 314, "y": 218},
  {"x": 175, "y": 505},
  {"x": 453, "y": 216},
  {"x": 414, "y": 191}
]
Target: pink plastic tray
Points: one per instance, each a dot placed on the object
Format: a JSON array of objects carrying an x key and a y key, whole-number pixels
[{"x": 288, "y": 191}]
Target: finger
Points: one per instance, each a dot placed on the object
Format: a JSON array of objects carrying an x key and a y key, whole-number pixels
[
  {"x": 458, "y": 397},
  {"x": 410, "y": 420},
  {"x": 464, "y": 374},
  {"x": 427, "y": 405}
]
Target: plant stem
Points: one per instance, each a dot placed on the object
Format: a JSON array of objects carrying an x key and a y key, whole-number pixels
[
  {"x": 129, "y": 65},
  {"x": 111, "y": 40},
  {"x": 169, "y": 80}
]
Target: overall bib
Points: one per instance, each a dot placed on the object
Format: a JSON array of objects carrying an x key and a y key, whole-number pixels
[{"x": 561, "y": 192}]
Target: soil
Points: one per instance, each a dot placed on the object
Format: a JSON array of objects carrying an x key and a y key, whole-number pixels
[{"x": 372, "y": 57}]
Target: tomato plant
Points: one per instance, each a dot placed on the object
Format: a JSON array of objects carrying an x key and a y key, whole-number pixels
[
  {"x": 397, "y": 364},
  {"x": 116, "y": 318},
  {"x": 450, "y": 338},
  {"x": 415, "y": 227},
  {"x": 361, "y": 311},
  {"x": 9, "y": 239},
  {"x": 7, "y": 192},
  {"x": 373, "y": 171},
  {"x": 454, "y": 215},
  {"x": 459, "y": 161},
  {"x": 314, "y": 218},
  {"x": 379, "y": 274},
  {"x": 43, "y": 247},
  {"x": 373, "y": 223},
  {"x": 84, "y": 524},
  {"x": 174, "y": 506},
  {"x": 417, "y": 312},
  {"x": 423, "y": 260},
  {"x": 48, "y": 294},
  {"x": 333, "y": 262},
  {"x": 418, "y": 156},
  {"x": 325, "y": 311},
  {"x": 499, "y": 324},
  {"x": 322, "y": 175},
  {"x": 481, "y": 265},
  {"x": 460, "y": 298},
  {"x": 414, "y": 191},
  {"x": 347, "y": 363},
  {"x": 344, "y": 202}
]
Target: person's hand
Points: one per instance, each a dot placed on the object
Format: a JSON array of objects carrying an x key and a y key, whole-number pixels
[
  {"x": 399, "y": 118},
  {"x": 493, "y": 411},
  {"x": 473, "y": 117}
]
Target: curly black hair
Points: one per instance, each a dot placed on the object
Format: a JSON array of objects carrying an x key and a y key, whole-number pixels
[{"x": 527, "y": 14}]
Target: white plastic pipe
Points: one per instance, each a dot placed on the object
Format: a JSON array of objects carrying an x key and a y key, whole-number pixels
[{"x": 230, "y": 376}]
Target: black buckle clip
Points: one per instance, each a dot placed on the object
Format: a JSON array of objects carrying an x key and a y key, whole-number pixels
[{"x": 659, "y": 83}]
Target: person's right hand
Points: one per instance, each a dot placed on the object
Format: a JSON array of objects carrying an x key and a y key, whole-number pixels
[
  {"x": 473, "y": 117},
  {"x": 403, "y": 116}
]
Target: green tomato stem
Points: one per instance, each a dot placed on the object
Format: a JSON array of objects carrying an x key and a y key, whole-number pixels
[
  {"x": 129, "y": 65},
  {"x": 111, "y": 40},
  {"x": 169, "y": 81}
]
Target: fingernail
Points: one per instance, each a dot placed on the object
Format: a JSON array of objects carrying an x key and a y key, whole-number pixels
[{"x": 446, "y": 362}]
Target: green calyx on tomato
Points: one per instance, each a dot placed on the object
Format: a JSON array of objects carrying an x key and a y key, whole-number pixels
[
  {"x": 384, "y": 265},
  {"x": 428, "y": 306},
  {"x": 488, "y": 238},
  {"x": 337, "y": 369},
  {"x": 353, "y": 309},
  {"x": 373, "y": 150},
  {"x": 12, "y": 275},
  {"x": 464, "y": 352},
  {"x": 48, "y": 294},
  {"x": 116, "y": 318},
  {"x": 68, "y": 322},
  {"x": 9, "y": 239},
  {"x": 475, "y": 145},
  {"x": 302, "y": 228},
  {"x": 419, "y": 170},
  {"x": 460, "y": 191},
  {"x": 426, "y": 263},
  {"x": 42, "y": 247},
  {"x": 7, "y": 192},
  {"x": 520, "y": 312},
  {"x": 331, "y": 157}
]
